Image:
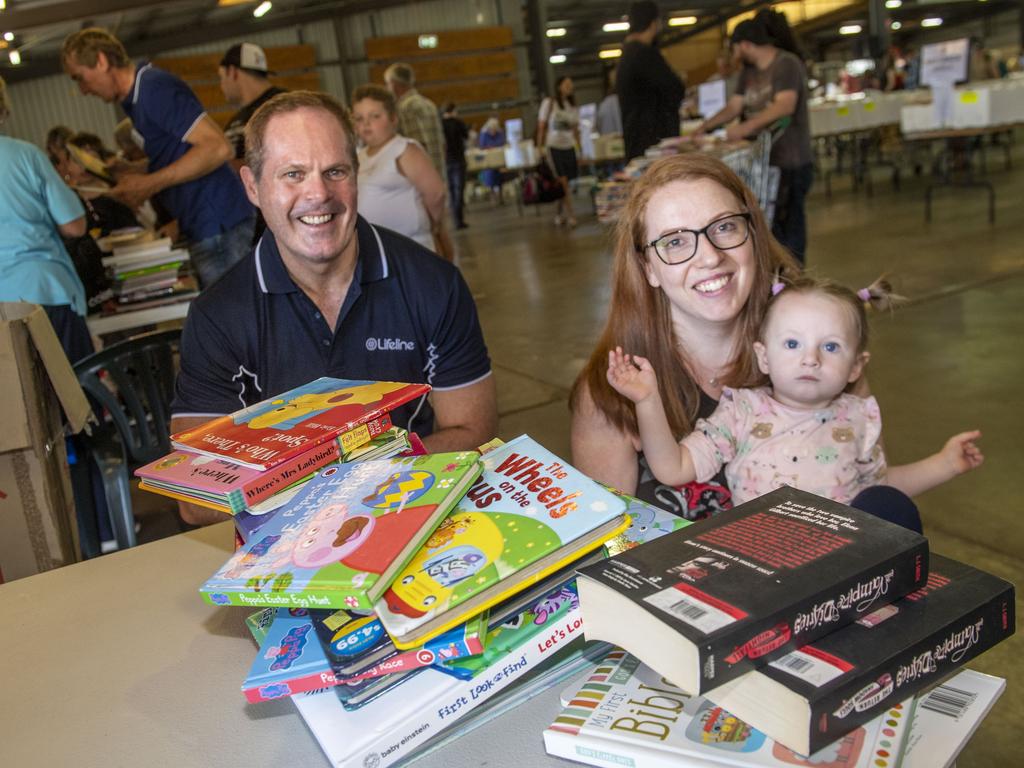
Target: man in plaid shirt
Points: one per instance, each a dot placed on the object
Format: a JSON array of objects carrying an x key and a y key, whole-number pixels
[{"x": 418, "y": 117}]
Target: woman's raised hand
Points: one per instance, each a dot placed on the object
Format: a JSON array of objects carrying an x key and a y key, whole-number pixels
[{"x": 631, "y": 375}]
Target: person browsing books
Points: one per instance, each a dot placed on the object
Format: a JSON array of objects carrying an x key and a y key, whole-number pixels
[
  {"x": 326, "y": 293},
  {"x": 694, "y": 321},
  {"x": 802, "y": 429}
]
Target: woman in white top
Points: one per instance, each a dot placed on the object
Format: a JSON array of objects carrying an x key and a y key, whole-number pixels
[
  {"x": 557, "y": 125},
  {"x": 399, "y": 188}
]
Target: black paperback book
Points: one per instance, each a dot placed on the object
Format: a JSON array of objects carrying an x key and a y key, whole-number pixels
[
  {"x": 822, "y": 691},
  {"x": 709, "y": 602}
]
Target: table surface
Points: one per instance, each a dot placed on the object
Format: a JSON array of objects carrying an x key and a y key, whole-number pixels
[
  {"x": 101, "y": 324},
  {"x": 118, "y": 661}
]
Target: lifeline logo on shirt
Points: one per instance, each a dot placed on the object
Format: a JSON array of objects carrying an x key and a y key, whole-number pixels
[{"x": 382, "y": 345}]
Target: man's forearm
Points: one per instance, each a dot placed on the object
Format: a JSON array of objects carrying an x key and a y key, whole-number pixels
[{"x": 456, "y": 439}]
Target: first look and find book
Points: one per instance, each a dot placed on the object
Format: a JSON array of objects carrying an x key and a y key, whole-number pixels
[{"x": 719, "y": 598}]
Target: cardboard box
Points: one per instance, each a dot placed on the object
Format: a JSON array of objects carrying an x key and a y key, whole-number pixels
[{"x": 37, "y": 512}]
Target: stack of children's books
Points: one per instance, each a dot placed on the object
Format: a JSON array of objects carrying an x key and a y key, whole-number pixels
[
  {"x": 397, "y": 595},
  {"x": 793, "y": 615},
  {"x": 254, "y": 460},
  {"x": 150, "y": 273}
]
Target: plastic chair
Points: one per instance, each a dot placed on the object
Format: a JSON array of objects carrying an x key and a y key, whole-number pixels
[{"x": 130, "y": 385}]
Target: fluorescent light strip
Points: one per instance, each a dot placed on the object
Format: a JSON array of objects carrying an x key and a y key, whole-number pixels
[
  {"x": 616, "y": 26},
  {"x": 850, "y": 29},
  {"x": 558, "y": 58},
  {"x": 893, "y": 3},
  {"x": 610, "y": 53},
  {"x": 682, "y": 21},
  {"x": 15, "y": 58},
  {"x": 932, "y": 21},
  {"x": 262, "y": 9},
  {"x": 556, "y": 32}
]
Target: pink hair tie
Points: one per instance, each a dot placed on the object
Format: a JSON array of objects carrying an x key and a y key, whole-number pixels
[
  {"x": 777, "y": 288},
  {"x": 864, "y": 294}
]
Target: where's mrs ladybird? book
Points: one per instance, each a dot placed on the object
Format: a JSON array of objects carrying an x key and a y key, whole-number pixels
[{"x": 339, "y": 542}]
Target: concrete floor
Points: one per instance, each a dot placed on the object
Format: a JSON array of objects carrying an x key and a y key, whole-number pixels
[{"x": 943, "y": 364}]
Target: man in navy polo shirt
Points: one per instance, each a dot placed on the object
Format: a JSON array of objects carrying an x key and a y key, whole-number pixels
[
  {"x": 187, "y": 167},
  {"x": 329, "y": 294}
]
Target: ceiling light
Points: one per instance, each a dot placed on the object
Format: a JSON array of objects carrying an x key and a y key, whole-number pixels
[
  {"x": 558, "y": 58},
  {"x": 682, "y": 21},
  {"x": 931, "y": 21},
  {"x": 15, "y": 58},
  {"x": 616, "y": 26},
  {"x": 893, "y": 3},
  {"x": 556, "y": 32},
  {"x": 896, "y": 26},
  {"x": 850, "y": 29},
  {"x": 262, "y": 8},
  {"x": 610, "y": 53},
  {"x": 9, "y": 37}
]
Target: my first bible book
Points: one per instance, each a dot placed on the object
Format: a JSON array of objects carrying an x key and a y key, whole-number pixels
[
  {"x": 341, "y": 539},
  {"x": 528, "y": 515},
  {"x": 282, "y": 427},
  {"x": 706, "y": 603}
]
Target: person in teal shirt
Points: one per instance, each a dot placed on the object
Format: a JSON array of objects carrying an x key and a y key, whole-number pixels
[{"x": 37, "y": 209}]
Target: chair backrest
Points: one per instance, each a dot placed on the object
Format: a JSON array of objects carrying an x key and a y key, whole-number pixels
[{"x": 132, "y": 382}]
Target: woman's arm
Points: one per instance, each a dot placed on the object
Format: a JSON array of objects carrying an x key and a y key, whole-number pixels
[
  {"x": 415, "y": 165},
  {"x": 600, "y": 449}
]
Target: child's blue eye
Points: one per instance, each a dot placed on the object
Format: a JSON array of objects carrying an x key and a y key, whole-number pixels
[
  {"x": 831, "y": 346},
  {"x": 790, "y": 344}
]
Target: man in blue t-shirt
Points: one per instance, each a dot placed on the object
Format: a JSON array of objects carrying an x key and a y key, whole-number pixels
[
  {"x": 187, "y": 168},
  {"x": 326, "y": 293}
]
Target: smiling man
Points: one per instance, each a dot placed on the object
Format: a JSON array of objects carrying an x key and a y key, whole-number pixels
[
  {"x": 186, "y": 170},
  {"x": 329, "y": 294}
]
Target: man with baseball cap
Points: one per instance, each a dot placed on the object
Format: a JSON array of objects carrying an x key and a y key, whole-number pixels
[{"x": 243, "y": 80}]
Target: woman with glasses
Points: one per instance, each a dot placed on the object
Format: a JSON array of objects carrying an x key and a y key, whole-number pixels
[{"x": 694, "y": 265}]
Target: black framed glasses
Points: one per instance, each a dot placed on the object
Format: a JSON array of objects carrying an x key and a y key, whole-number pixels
[{"x": 680, "y": 245}]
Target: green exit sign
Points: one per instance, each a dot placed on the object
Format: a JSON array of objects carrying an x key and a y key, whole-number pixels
[{"x": 428, "y": 41}]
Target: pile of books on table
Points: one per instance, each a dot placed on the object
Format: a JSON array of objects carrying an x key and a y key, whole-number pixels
[
  {"x": 790, "y": 630},
  {"x": 392, "y": 596},
  {"x": 149, "y": 272}
]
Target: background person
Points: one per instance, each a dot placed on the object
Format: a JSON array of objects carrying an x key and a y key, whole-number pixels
[
  {"x": 772, "y": 86},
  {"x": 649, "y": 91},
  {"x": 418, "y": 117},
  {"x": 399, "y": 187},
  {"x": 243, "y": 81},
  {"x": 491, "y": 137},
  {"x": 456, "y": 132},
  {"x": 37, "y": 209},
  {"x": 322, "y": 287},
  {"x": 557, "y": 129},
  {"x": 187, "y": 167},
  {"x": 696, "y": 322}
]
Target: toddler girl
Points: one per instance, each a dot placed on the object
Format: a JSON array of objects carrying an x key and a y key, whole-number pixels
[{"x": 801, "y": 430}]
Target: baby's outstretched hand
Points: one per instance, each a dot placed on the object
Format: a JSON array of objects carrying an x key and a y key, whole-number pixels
[
  {"x": 631, "y": 376},
  {"x": 961, "y": 452}
]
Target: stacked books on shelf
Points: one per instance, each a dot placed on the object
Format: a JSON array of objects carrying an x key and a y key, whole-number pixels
[
  {"x": 149, "y": 274},
  {"x": 247, "y": 461},
  {"x": 799, "y": 616},
  {"x": 445, "y": 578},
  {"x": 625, "y": 713}
]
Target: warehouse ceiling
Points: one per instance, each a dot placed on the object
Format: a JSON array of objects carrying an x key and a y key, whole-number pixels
[{"x": 149, "y": 27}]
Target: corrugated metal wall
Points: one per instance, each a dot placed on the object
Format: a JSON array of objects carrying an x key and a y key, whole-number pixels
[{"x": 40, "y": 104}]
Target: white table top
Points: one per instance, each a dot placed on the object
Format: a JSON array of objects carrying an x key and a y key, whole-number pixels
[
  {"x": 124, "y": 321},
  {"x": 118, "y": 661}
]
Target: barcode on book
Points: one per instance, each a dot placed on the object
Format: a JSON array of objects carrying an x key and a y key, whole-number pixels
[
  {"x": 690, "y": 610},
  {"x": 811, "y": 669},
  {"x": 949, "y": 701}
]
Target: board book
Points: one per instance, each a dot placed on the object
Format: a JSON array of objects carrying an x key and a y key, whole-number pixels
[
  {"x": 725, "y": 595},
  {"x": 528, "y": 515},
  {"x": 340, "y": 541},
  {"x": 816, "y": 693},
  {"x": 625, "y": 713},
  {"x": 279, "y": 428}
]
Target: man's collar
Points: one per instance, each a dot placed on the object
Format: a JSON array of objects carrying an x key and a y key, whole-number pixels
[
  {"x": 133, "y": 94},
  {"x": 371, "y": 262}
]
